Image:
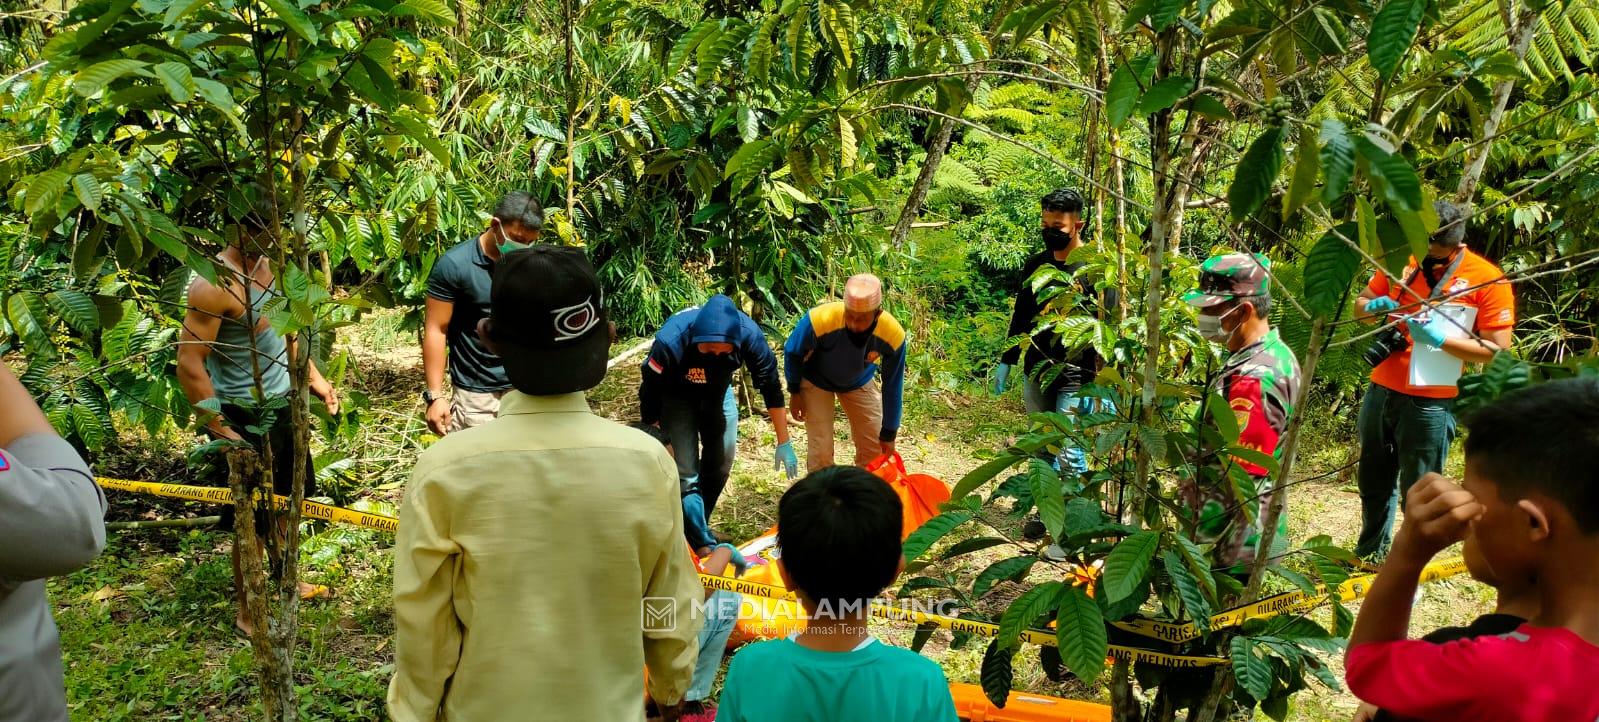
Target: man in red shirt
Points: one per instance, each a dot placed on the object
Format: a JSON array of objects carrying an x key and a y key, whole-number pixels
[
  {"x": 1405, "y": 429},
  {"x": 1529, "y": 505}
]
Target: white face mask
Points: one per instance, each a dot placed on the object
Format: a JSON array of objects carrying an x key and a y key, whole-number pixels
[{"x": 1212, "y": 328}]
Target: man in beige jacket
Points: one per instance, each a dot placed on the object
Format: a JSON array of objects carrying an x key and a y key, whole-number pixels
[{"x": 540, "y": 563}]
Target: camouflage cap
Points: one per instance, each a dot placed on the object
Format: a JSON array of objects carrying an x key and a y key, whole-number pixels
[{"x": 1229, "y": 276}]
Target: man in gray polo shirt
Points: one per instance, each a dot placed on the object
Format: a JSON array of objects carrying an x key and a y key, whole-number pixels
[{"x": 51, "y": 523}]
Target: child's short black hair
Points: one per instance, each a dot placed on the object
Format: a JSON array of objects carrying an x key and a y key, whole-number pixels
[
  {"x": 1544, "y": 438},
  {"x": 838, "y": 531},
  {"x": 654, "y": 431}
]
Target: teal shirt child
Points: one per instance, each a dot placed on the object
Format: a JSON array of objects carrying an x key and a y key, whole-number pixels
[{"x": 781, "y": 681}]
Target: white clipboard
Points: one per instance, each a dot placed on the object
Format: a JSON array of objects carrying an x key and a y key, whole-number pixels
[{"x": 1434, "y": 366}]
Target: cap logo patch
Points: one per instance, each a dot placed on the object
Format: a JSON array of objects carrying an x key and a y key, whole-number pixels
[{"x": 574, "y": 321}]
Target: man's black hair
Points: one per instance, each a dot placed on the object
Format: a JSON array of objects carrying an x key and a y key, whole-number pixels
[
  {"x": 1451, "y": 224},
  {"x": 1542, "y": 439},
  {"x": 654, "y": 431},
  {"x": 838, "y": 531},
  {"x": 1261, "y": 303},
  {"x": 520, "y": 207},
  {"x": 1063, "y": 200}
]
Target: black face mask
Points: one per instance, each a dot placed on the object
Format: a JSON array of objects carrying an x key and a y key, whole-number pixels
[
  {"x": 1431, "y": 265},
  {"x": 1056, "y": 239}
]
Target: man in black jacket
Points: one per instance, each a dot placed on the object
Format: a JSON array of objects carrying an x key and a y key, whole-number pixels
[
  {"x": 1053, "y": 373},
  {"x": 687, "y": 391}
]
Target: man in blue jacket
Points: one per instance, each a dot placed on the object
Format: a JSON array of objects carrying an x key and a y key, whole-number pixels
[
  {"x": 836, "y": 350},
  {"x": 687, "y": 391}
]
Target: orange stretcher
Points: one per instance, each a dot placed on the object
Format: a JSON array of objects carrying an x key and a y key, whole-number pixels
[
  {"x": 920, "y": 496},
  {"x": 972, "y": 705}
]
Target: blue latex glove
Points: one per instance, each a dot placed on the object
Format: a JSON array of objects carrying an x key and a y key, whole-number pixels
[
  {"x": 786, "y": 460},
  {"x": 1001, "y": 376},
  {"x": 1381, "y": 304},
  {"x": 740, "y": 564},
  {"x": 1427, "y": 333}
]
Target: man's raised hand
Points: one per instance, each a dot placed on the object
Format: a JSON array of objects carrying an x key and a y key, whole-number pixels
[{"x": 1438, "y": 513}]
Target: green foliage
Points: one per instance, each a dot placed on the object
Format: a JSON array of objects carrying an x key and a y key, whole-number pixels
[
  {"x": 1257, "y": 172},
  {"x": 1128, "y": 563},
  {"x": 1401, "y": 186},
  {"x": 1392, "y": 31},
  {"x": 1013, "y": 569},
  {"x": 1025, "y": 610},
  {"x": 1330, "y": 269},
  {"x": 1337, "y": 159},
  {"x": 997, "y": 672},
  {"x": 931, "y": 531},
  {"x": 1080, "y": 634},
  {"x": 1251, "y": 669},
  {"x": 1126, "y": 88}
]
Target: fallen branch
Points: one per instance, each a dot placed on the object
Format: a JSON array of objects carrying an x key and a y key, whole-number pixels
[
  {"x": 625, "y": 355},
  {"x": 163, "y": 523}
]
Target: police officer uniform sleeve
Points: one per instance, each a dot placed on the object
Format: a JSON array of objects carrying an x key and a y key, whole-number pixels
[{"x": 52, "y": 514}]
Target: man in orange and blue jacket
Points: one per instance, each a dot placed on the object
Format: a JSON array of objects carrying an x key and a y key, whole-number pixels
[{"x": 837, "y": 350}]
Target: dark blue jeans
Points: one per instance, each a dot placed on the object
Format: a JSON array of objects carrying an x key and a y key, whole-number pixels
[
  {"x": 1402, "y": 437},
  {"x": 704, "y": 434}
]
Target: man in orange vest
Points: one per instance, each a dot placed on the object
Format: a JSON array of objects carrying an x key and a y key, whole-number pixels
[{"x": 1406, "y": 429}]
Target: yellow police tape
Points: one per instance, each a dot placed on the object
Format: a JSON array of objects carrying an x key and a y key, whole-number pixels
[
  {"x": 219, "y": 495},
  {"x": 885, "y": 610},
  {"x": 1288, "y": 603}
]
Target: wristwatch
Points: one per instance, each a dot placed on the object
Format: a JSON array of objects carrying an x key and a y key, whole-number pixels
[{"x": 428, "y": 398}]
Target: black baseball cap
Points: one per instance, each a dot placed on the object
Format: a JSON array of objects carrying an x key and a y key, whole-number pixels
[{"x": 547, "y": 320}]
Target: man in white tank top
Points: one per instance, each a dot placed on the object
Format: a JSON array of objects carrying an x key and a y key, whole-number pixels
[{"x": 228, "y": 350}]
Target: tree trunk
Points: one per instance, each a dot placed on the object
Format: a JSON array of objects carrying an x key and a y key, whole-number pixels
[
  {"x": 1123, "y": 705},
  {"x": 1165, "y": 707},
  {"x": 924, "y": 180},
  {"x": 1215, "y": 698},
  {"x": 1117, "y": 182},
  {"x": 1161, "y": 222},
  {"x": 1521, "y": 39},
  {"x": 567, "y": 23},
  {"x": 274, "y": 665}
]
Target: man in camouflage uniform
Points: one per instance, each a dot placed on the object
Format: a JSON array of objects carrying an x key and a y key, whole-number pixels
[{"x": 1259, "y": 382}]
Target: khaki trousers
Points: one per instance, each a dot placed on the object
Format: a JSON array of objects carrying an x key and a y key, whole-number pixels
[
  {"x": 473, "y": 408},
  {"x": 863, "y": 408}
]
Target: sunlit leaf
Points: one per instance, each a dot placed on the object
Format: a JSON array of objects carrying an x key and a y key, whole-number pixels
[{"x": 293, "y": 18}]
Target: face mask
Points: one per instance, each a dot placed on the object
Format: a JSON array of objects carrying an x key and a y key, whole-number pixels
[
  {"x": 1212, "y": 328},
  {"x": 506, "y": 244},
  {"x": 1056, "y": 239}
]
